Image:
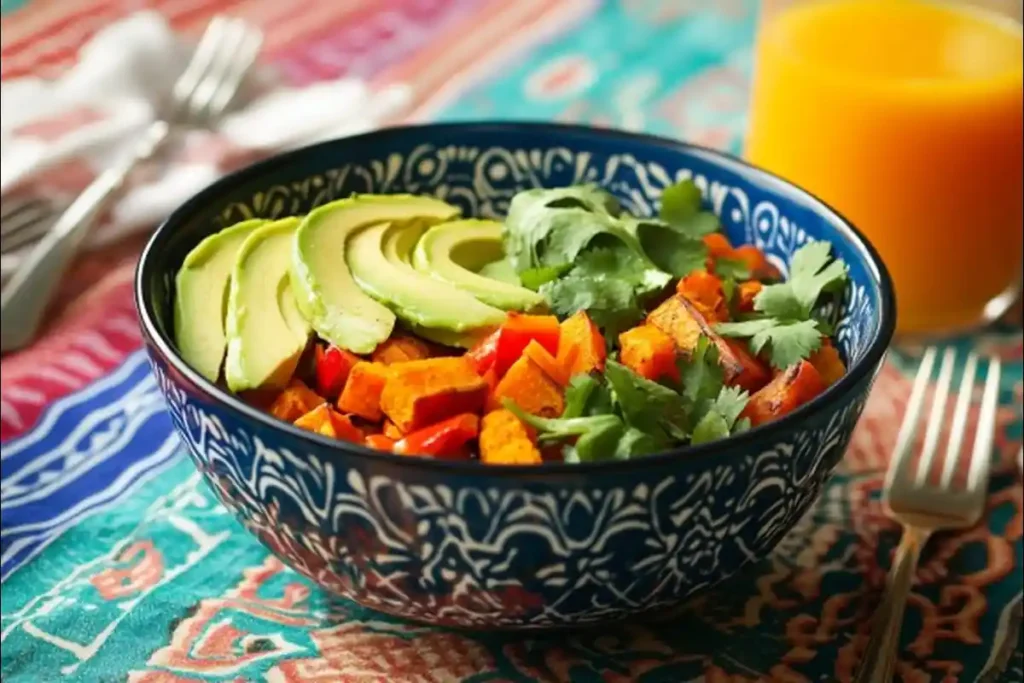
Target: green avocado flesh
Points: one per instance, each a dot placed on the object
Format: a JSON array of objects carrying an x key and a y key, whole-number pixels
[
  {"x": 200, "y": 301},
  {"x": 327, "y": 294},
  {"x": 455, "y": 252},
  {"x": 266, "y": 333},
  {"x": 379, "y": 257}
]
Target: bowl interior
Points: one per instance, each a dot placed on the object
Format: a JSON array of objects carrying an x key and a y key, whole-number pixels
[{"x": 479, "y": 167}]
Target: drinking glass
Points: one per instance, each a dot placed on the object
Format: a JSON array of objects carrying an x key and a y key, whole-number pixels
[{"x": 906, "y": 116}]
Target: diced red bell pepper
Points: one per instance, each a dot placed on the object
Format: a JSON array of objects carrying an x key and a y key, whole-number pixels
[
  {"x": 518, "y": 331},
  {"x": 504, "y": 346},
  {"x": 482, "y": 356},
  {"x": 333, "y": 366},
  {"x": 442, "y": 440}
]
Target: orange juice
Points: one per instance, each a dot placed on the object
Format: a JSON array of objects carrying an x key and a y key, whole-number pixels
[{"x": 906, "y": 116}]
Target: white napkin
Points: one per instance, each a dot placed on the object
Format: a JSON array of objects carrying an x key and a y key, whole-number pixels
[{"x": 93, "y": 113}]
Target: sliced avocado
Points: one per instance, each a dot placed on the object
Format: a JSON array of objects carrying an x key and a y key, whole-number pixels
[
  {"x": 460, "y": 340},
  {"x": 265, "y": 331},
  {"x": 454, "y": 252},
  {"x": 327, "y": 294},
  {"x": 200, "y": 299},
  {"x": 379, "y": 259},
  {"x": 500, "y": 270}
]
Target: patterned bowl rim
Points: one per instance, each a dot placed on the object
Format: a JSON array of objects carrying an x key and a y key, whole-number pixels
[{"x": 767, "y": 433}]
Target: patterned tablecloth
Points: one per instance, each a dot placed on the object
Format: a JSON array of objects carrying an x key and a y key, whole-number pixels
[{"x": 118, "y": 564}]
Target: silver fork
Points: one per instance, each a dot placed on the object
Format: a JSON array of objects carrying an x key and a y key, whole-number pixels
[
  {"x": 224, "y": 54},
  {"x": 913, "y": 499},
  {"x": 23, "y": 220}
]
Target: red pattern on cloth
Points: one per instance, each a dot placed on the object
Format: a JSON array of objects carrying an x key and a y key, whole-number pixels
[{"x": 92, "y": 324}]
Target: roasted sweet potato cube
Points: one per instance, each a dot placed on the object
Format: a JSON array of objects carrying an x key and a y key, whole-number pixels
[
  {"x": 391, "y": 430},
  {"x": 362, "y": 392},
  {"x": 295, "y": 401},
  {"x": 401, "y": 349},
  {"x": 380, "y": 442},
  {"x": 788, "y": 391},
  {"x": 678, "y": 318},
  {"x": 704, "y": 291},
  {"x": 581, "y": 346},
  {"x": 531, "y": 389},
  {"x": 648, "y": 352},
  {"x": 741, "y": 367},
  {"x": 718, "y": 246},
  {"x": 827, "y": 362},
  {"x": 757, "y": 263},
  {"x": 541, "y": 356},
  {"x": 684, "y": 323},
  {"x": 423, "y": 392},
  {"x": 324, "y": 420},
  {"x": 746, "y": 292},
  {"x": 505, "y": 440}
]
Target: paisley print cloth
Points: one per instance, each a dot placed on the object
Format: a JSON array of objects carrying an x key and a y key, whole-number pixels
[{"x": 119, "y": 564}]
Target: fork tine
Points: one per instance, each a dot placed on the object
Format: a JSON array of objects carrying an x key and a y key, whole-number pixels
[
  {"x": 898, "y": 468},
  {"x": 959, "y": 427},
  {"x": 252, "y": 39},
  {"x": 16, "y": 215},
  {"x": 231, "y": 43},
  {"x": 935, "y": 419},
  {"x": 981, "y": 456},
  {"x": 200, "y": 62}
]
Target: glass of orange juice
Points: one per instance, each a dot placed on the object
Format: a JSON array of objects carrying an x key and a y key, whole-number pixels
[{"x": 906, "y": 116}]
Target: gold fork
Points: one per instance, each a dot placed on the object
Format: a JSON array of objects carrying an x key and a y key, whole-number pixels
[{"x": 921, "y": 505}]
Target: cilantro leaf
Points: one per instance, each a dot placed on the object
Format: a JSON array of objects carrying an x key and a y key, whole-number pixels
[
  {"x": 711, "y": 427},
  {"x": 551, "y": 227},
  {"x": 701, "y": 375},
  {"x": 721, "y": 417},
  {"x": 620, "y": 263},
  {"x": 577, "y": 395},
  {"x": 611, "y": 304},
  {"x": 812, "y": 273},
  {"x": 788, "y": 342},
  {"x": 731, "y": 268},
  {"x": 557, "y": 427},
  {"x": 533, "y": 278},
  {"x": 730, "y": 403},
  {"x": 634, "y": 442},
  {"x": 597, "y": 436},
  {"x": 601, "y": 442},
  {"x": 681, "y": 209},
  {"x": 647, "y": 406},
  {"x": 786, "y": 326},
  {"x": 680, "y": 202},
  {"x": 673, "y": 252}
]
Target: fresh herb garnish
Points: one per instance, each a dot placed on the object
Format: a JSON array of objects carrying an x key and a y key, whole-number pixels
[
  {"x": 731, "y": 269},
  {"x": 627, "y": 415},
  {"x": 681, "y": 209},
  {"x": 784, "y": 321},
  {"x": 788, "y": 341},
  {"x": 575, "y": 247}
]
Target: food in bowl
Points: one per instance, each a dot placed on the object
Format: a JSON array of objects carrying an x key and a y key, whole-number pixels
[
  {"x": 452, "y": 542},
  {"x": 571, "y": 331}
]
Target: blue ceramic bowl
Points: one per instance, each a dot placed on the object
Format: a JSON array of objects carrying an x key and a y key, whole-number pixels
[{"x": 462, "y": 544}]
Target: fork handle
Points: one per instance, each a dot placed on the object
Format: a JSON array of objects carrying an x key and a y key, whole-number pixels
[
  {"x": 879, "y": 661},
  {"x": 27, "y": 295}
]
